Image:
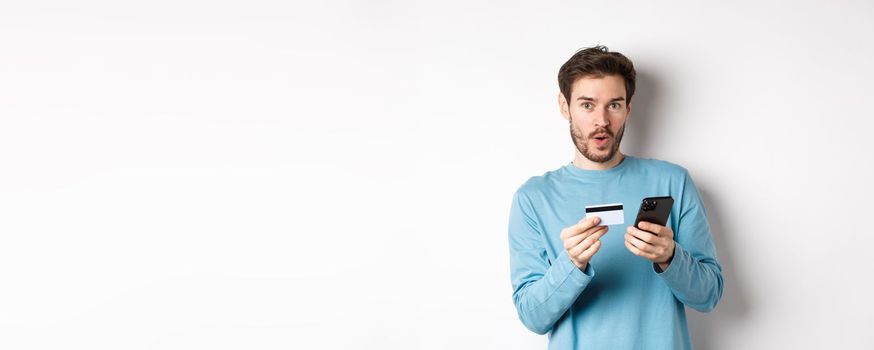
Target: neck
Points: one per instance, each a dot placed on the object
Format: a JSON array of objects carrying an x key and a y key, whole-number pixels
[{"x": 582, "y": 162}]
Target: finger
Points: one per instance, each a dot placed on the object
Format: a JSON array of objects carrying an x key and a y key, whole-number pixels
[
  {"x": 655, "y": 246},
  {"x": 595, "y": 236},
  {"x": 642, "y": 235},
  {"x": 573, "y": 240},
  {"x": 568, "y": 232},
  {"x": 587, "y": 242},
  {"x": 579, "y": 248},
  {"x": 590, "y": 252},
  {"x": 588, "y": 222},
  {"x": 594, "y": 229},
  {"x": 565, "y": 233},
  {"x": 659, "y": 230},
  {"x": 651, "y": 227},
  {"x": 636, "y": 251},
  {"x": 640, "y": 245},
  {"x": 580, "y": 227}
]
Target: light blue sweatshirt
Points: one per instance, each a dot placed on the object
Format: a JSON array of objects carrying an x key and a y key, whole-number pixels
[{"x": 621, "y": 301}]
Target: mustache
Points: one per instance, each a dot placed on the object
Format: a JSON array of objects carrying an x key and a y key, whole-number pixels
[{"x": 601, "y": 131}]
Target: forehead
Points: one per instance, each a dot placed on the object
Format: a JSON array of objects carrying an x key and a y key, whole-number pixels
[{"x": 604, "y": 87}]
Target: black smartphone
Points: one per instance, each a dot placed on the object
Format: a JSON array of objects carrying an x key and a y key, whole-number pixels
[{"x": 654, "y": 210}]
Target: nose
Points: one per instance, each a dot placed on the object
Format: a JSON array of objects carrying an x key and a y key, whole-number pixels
[{"x": 600, "y": 118}]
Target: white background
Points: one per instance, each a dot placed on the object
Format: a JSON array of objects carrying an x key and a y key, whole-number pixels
[{"x": 270, "y": 175}]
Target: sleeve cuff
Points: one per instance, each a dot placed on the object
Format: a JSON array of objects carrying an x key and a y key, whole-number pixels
[
  {"x": 679, "y": 262},
  {"x": 574, "y": 272}
]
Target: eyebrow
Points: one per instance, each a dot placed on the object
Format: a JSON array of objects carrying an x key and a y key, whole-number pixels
[{"x": 586, "y": 98}]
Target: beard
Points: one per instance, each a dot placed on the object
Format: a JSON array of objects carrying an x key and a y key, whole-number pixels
[{"x": 582, "y": 143}]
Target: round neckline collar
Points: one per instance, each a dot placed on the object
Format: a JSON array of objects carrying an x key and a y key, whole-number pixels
[{"x": 574, "y": 170}]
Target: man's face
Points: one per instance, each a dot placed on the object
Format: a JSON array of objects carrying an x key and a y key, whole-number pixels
[{"x": 597, "y": 113}]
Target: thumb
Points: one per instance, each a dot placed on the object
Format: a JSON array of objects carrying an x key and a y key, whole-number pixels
[{"x": 590, "y": 221}]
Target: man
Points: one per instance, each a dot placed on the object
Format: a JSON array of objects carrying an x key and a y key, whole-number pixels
[{"x": 608, "y": 287}]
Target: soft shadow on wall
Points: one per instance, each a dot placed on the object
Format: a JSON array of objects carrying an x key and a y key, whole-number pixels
[
  {"x": 734, "y": 306},
  {"x": 647, "y": 111}
]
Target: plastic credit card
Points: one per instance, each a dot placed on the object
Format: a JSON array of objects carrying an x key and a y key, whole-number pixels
[{"x": 610, "y": 214}]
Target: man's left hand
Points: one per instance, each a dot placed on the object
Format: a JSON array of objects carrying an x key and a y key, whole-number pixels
[{"x": 652, "y": 242}]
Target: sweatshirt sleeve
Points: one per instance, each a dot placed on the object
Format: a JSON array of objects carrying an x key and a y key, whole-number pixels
[
  {"x": 694, "y": 275},
  {"x": 543, "y": 290}
]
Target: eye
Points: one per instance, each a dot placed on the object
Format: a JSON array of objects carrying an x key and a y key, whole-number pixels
[
  {"x": 615, "y": 105},
  {"x": 587, "y": 105}
]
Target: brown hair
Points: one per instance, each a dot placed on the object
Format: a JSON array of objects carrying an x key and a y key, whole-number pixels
[{"x": 596, "y": 62}]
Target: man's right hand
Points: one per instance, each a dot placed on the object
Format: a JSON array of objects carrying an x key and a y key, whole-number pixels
[{"x": 582, "y": 240}]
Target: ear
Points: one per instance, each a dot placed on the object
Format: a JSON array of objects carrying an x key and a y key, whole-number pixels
[{"x": 563, "y": 106}]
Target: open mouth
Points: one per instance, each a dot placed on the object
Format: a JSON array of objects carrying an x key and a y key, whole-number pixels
[{"x": 600, "y": 140}]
